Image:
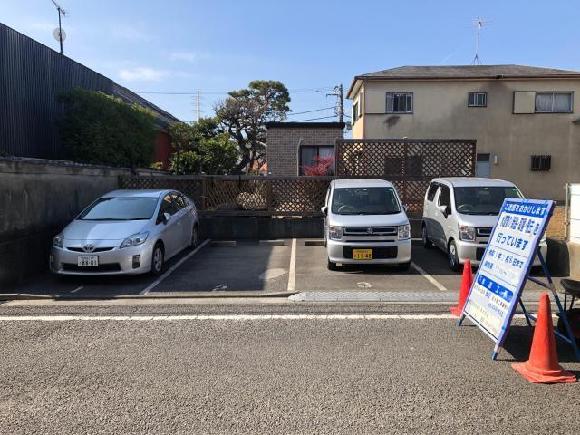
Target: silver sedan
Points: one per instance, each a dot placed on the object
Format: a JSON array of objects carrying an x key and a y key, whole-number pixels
[{"x": 126, "y": 232}]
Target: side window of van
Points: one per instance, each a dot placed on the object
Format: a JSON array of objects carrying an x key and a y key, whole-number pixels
[
  {"x": 432, "y": 191},
  {"x": 445, "y": 197}
]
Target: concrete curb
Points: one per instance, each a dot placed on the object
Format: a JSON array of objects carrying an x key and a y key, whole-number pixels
[{"x": 151, "y": 295}]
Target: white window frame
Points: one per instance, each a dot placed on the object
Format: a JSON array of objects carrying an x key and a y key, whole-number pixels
[
  {"x": 393, "y": 94},
  {"x": 553, "y": 100},
  {"x": 476, "y": 94}
]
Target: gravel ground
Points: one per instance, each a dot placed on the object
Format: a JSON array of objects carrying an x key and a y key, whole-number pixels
[{"x": 272, "y": 376}]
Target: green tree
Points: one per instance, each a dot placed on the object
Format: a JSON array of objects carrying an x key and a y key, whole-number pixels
[
  {"x": 243, "y": 116},
  {"x": 200, "y": 147},
  {"x": 219, "y": 155},
  {"x": 99, "y": 128}
]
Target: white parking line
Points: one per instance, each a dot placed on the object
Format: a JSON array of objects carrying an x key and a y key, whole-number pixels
[
  {"x": 169, "y": 271},
  {"x": 79, "y": 288},
  {"x": 429, "y": 278},
  {"x": 292, "y": 269},
  {"x": 231, "y": 317}
]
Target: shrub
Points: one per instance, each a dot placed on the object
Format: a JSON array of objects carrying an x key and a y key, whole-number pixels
[{"x": 99, "y": 128}]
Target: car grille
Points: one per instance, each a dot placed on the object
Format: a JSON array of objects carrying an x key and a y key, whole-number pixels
[
  {"x": 380, "y": 252},
  {"x": 112, "y": 267},
  {"x": 79, "y": 249},
  {"x": 484, "y": 231},
  {"x": 479, "y": 253},
  {"x": 370, "y": 231}
]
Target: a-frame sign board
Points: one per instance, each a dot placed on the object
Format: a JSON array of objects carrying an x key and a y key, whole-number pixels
[{"x": 505, "y": 268}]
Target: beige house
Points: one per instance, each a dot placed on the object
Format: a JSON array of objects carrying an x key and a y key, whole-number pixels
[{"x": 526, "y": 120}]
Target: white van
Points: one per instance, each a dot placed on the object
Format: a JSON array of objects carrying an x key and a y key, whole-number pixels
[
  {"x": 365, "y": 223},
  {"x": 459, "y": 214}
]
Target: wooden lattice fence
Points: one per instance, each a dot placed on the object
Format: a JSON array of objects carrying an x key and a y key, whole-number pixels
[
  {"x": 409, "y": 164},
  {"x": 244, "y": 195}
]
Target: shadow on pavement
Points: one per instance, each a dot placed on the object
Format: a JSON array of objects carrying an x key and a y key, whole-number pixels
[{"x": 519, "y": 341}]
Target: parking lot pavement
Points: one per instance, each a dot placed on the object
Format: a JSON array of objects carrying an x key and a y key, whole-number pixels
[
  {"x": 265, "y": 268},
  {"x": 230, "y": 374},
  {"x": 247, "y": 265}
]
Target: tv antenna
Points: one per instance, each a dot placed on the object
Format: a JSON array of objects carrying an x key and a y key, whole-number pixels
[
  {"x": 479, "y": 23},
  {"x": 58, "y": 33}
]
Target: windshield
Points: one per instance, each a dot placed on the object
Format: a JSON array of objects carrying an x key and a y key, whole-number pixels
[
  {"x": 365, "y": 201},
  {"x": 108, "y": 209},
  {"x": 483, "y": 200}
]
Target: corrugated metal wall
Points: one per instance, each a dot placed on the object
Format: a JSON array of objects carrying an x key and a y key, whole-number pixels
[{"x": 32, "y": 76}]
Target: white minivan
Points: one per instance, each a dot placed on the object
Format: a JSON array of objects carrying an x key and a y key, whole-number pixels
[
  {"x": 459, "y": 214},
  {"x": 365, "y": 222}
]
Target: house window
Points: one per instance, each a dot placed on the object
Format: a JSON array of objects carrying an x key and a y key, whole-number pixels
[
  {"x": 553, "y": 102},
  {"x": 477, "y": 99},
  {"x": 355, "y": 114},
  {"x": 541, "y": 163},
  {"x": 316, "y": 160},
  {"x": 399, "y": 102}
]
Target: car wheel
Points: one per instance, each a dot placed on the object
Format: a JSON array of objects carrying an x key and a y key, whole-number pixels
[
  {"x": 157, "y": 260},
  {"x": 331, "y": 265},
  {"x": 426, "y": 242},
  {"x": 453, "y": 256},
  {"x": 194, "y": 237}
]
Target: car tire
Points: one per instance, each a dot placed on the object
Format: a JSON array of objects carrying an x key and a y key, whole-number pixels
[
  {"x": 194, "y": 237},
  {"x": 453, "y": 257},
  {"x": 425, "y": 238},
  {"x": 331, "y": 265},
  {"x": 157, "y": 259}
]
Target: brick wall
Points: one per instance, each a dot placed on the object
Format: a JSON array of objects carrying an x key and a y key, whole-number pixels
[{"x": 282, "y": 145}]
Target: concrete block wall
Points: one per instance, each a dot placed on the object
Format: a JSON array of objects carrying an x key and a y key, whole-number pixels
[
  {"x": 283, "y": 141},
  {"x": 37, "y": 199}
]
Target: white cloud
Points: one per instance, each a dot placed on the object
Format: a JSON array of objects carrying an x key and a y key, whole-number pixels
[
  {"x": 143, "y": 74},
  {"x": 184, "y": 56},
  {"x": 148, "y": 74},
  {"x": 131, "y": 33}
]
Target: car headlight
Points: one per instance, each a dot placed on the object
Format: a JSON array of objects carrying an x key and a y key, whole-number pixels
[
  {"x": 57, "y": 241},
  {"x": 404, "y": 232},
  {"x": 467, "y": 233},
  {"x": 135, "y": 240},
  {"x": 335, "y": 233}
]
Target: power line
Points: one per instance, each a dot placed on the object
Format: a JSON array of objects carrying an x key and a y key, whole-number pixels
[
  {"x": 310, "y": 111},
  {"x": 304, "y": 90},
  {"x": 317, "y": 119}
]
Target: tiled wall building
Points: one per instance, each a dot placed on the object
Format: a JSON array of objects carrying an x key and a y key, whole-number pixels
[{"x": 293, "y": 145}]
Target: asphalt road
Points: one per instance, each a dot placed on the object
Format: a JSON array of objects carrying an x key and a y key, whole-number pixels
[
  {"x": 261, "y": 268},
  {"x": 263, "y": 375}
]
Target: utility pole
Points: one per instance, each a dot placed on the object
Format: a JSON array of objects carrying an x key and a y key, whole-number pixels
[
  {"x": 338, "y": 92},
  {"x": 197, "y": 107},
  {"x": 61, "y": 13}
]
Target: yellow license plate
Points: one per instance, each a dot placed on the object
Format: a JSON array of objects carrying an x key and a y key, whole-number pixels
[{"x": 362, "y": 254}]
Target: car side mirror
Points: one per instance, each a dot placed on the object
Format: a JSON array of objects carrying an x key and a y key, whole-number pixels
[
  {"x": 165, "y": 217},
  {"x": 406, "y": 208},
  {"x": 324, "y": 210}
]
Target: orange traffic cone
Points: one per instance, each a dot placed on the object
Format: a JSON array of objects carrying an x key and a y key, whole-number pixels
[
  {"x": 542, "y": 365},
  {"x": 466, "y": 281}
]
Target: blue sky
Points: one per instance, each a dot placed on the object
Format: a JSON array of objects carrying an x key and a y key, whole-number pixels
[{"x": 219, "y": 45}]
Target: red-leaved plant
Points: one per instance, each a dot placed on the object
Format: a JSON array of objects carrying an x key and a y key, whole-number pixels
[{"x": 322, "y": 166}]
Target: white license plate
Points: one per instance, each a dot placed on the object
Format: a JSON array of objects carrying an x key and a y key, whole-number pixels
[{"x": 88, "y": 260}]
